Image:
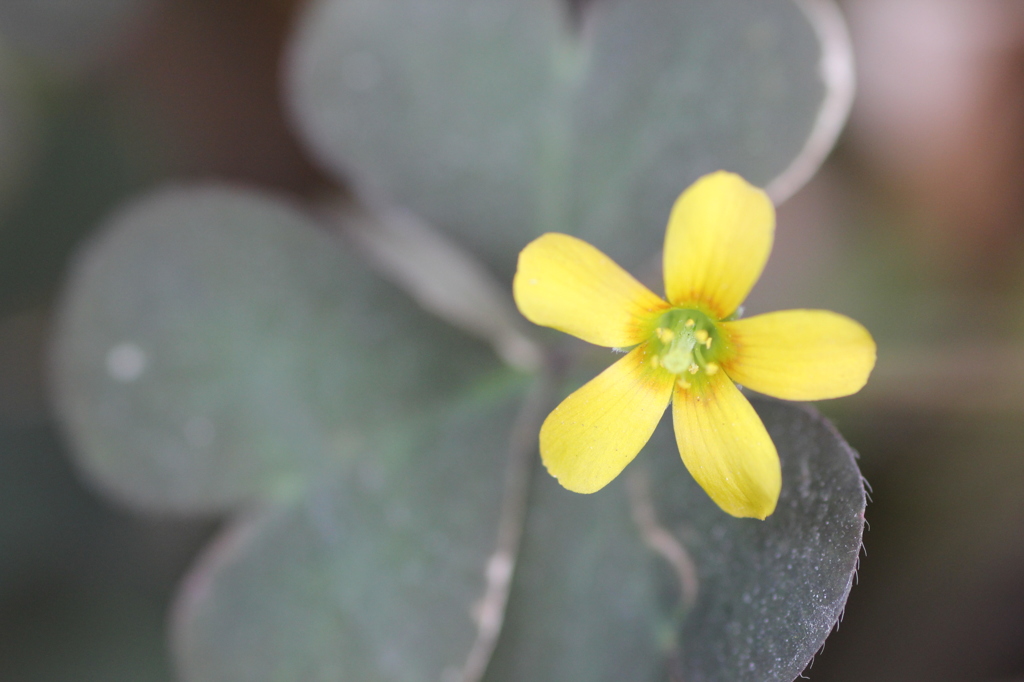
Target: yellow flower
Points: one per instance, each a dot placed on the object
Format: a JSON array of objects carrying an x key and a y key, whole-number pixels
[{"x": 687, "y": 351}]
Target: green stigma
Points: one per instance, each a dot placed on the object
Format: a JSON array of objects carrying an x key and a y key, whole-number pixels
[{"x": 688, "y": 342}]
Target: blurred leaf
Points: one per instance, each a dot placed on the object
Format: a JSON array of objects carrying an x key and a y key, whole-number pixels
[
  {"x": 585, "y": 604},
  {"x": 500, "y": 121},
  {"x": 373, "y": 576},
  {"x": 214, "y": 345},
  {"x": 446, "y": 281},
  {"x": 590, "y": 604},
  {"x": 69, "y": 33}
]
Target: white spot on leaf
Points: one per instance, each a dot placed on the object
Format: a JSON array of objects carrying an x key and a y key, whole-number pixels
[{"x": 126, "y": 362}]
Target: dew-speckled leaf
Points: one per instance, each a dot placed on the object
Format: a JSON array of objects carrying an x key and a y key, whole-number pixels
[
  {"x": 500, "y": 120},
  {"x": 590, "y": 603},
  {"x": 213, "y": 344},
  {"x": 375, "y": 575}
]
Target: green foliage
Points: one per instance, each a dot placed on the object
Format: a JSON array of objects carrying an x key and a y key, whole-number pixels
[
  {"x": 589, "y": 601},
  {"x": 779, "y": 585},
  {"x": 216, "y": 345},
  {"x": 373, "y": 575},
  {"x": 501, "y": 120},
  {"x": 376, "y": 575},
  {"x": 217, "y": 350},
  {"x": 592, "y": 602}
]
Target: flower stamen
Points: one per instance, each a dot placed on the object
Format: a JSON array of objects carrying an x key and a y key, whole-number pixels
[{"x": 682, "y": 341}]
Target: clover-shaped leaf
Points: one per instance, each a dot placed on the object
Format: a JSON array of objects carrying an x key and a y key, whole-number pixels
[
  {"x": 586, "y": 602},
  {"x": 214, "y": 344},
  {"x": 377, "y": 574},
  {"x": 502, "y": 120},
  {"x": 218, "y": 348},
  {"x": 711, "y": 597},
  {"x": 770, "y": 592}
]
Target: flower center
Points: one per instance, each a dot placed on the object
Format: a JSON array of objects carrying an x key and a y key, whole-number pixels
[{"x": 688, "y": 342}]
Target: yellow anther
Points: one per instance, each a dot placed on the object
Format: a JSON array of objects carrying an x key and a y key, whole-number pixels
[
  {"x": 693, "y": 368},
  {"x": 707, "y": 344},
  {"x": 684, "y": 383},
  {"x": 690, "y": 324},
  {"x": 701, "y": 335},
  {"x": 711, "y": 368},
  {"x": 664, "y": 335}
]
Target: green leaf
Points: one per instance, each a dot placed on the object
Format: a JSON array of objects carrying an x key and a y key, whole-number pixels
[
  {"x": 499, "y": 120},
  {"x": 590, "y": 603},
  {"x": 770, "y": 592},
  {"x": 375, "y": 575},
  {"x": 585, "y": 604},
  {"x": 214, "y": 345}
]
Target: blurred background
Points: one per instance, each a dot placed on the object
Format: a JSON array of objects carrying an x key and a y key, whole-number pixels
[{"x": 915, "y": 227}]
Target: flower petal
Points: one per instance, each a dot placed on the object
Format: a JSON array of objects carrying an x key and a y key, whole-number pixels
[
  {"x": 565, "y": 283},
  {"x": 801, "y": 354},
  {"x": 718, "y": 240},
  {"x": 594, "y": 433},
  {"x": 726, "y": 447}
]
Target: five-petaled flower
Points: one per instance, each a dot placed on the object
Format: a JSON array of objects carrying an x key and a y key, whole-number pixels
[{"x": 687, "y": 350}]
